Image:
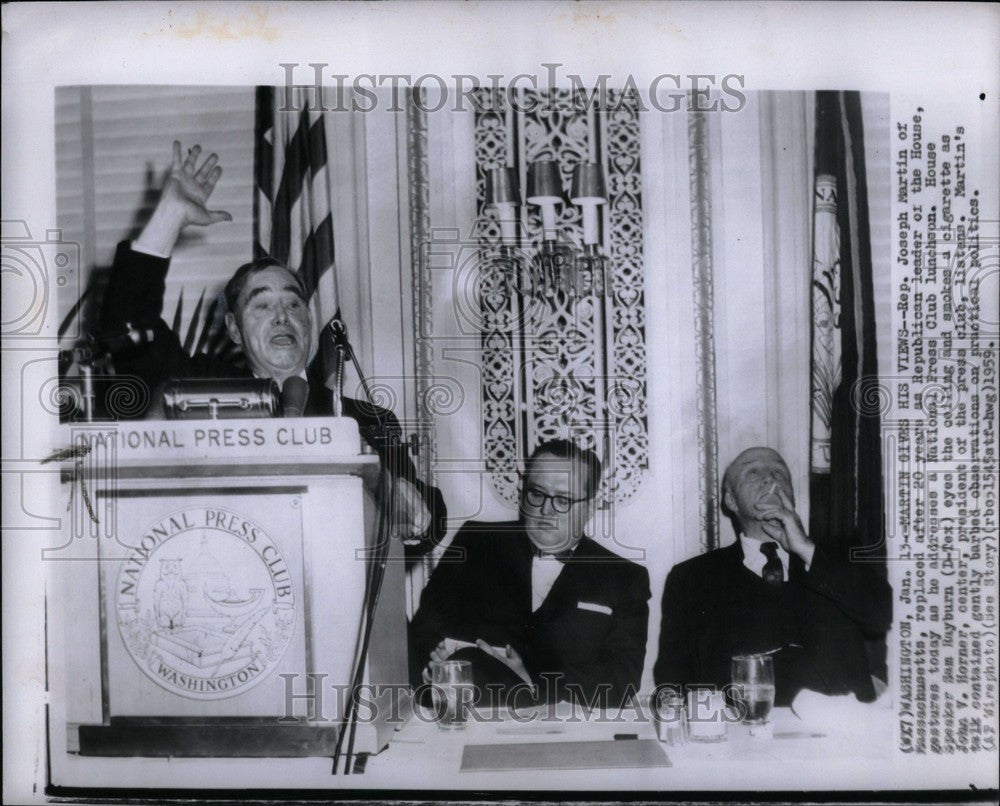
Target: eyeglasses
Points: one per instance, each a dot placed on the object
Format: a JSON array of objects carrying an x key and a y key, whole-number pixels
[{"x": 560, "y": 503}]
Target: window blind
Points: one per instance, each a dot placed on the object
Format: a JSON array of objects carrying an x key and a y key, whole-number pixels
[{"x": 113, "y": 148}]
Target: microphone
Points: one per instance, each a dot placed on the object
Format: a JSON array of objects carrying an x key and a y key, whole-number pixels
[
  {"x": 335, "y": 346},
  {"x": 293, "y": 396},
  {"x": 94, "y": 347}
]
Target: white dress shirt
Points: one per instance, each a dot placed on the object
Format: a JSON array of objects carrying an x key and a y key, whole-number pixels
[
  {"x": 544, "y": 572},
  {"x": 754, "y": 559}
]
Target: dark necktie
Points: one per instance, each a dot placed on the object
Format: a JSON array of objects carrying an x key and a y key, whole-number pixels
[
  {"x": 773, "y": 573},
  {"x": 294, "y": 396}
]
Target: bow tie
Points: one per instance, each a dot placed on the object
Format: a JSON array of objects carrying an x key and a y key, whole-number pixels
[
  {"x": 773, "y": 573},
  {"x": 563, "y": 556}
]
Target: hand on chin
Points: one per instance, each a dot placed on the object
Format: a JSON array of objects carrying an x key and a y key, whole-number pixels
[{"x": 776, "y": 532}]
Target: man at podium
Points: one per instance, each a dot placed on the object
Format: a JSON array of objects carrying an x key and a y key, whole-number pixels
[{"x": 268, "y": 316}]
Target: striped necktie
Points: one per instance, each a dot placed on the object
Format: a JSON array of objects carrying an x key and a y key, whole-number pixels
[{"x": 773, "y": 574}]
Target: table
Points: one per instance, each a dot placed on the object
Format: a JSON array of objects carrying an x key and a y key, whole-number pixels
[
  {"x": 422, "y": 757},
  {"x": 426, "y": 757}
]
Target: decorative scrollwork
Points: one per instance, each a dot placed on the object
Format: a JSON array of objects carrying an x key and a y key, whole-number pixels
[
  {"x": 444, "y": 397},
  {"x": 547, "y": 363},
  {"x": 126, "y": 396},
  {"x": 938, "y": 399},
  {"x": 701, "y": 263},
  {"x": 871, "y": 397},
  {"x": 418, "y": 184},
  {"x": 382, "y": 396},
  {"x": 60, "y": 397}
]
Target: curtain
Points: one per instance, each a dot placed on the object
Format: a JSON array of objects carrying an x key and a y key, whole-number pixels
[{"x": 845, "y": 456}]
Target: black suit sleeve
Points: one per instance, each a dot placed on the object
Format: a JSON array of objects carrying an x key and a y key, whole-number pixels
[
  {"x": 135, "y": 288},
  {"x": 620, "y": 659},
  {"x": 400, "y": 464},
  {"x": 675, "y": 662},
  {"x": 442, "y": 612},
  {"x": 380, "y": 428},
  {"x": 134, "y": 295},
  {"x": 859, "y": 591}
]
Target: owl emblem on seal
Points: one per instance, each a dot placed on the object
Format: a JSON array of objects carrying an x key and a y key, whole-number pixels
[{"x": 170, "y": 595}]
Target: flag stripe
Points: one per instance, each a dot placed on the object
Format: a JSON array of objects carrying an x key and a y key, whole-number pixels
[
  {"x": 263, "y": 165},
  {"x": 317, "y": 254},
  {"x": 293, "y": 201},
  {"x": 299, "y": 166}
]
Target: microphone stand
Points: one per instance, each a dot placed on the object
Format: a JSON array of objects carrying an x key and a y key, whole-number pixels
[
  {"x": 373, "y": 586},
  {"x": 87, "y": 376},
  {"x": 338, "y": 391},
  {"x": 87, "y": 354},
  {"x": 100, "y": 349},
  {"x": 344, "y": 347}
]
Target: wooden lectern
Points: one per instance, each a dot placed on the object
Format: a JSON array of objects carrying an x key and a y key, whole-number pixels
[{"x": 213, "y": 607}]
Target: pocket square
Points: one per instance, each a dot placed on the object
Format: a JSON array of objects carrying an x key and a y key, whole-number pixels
[{"x": 595, "y": 608}]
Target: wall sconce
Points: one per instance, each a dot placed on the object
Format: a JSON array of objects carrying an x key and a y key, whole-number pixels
[{"x": 556, "y": 265}]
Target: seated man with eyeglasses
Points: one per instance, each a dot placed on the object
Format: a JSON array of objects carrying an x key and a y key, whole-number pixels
[{"x": 542, "y": 611}]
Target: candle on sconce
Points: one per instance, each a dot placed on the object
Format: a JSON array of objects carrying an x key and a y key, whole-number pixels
[
  {"x": 589, "y": 192},
  {"x": 502, "y": 193},
  {"x": 545, "y": 190},
  {"x": 507, "y": 213},
  {"x": 549, "y": 228}
]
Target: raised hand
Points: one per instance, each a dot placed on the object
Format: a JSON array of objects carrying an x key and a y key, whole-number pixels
[
  {"x": 783, "y": 525},
  {"x": 189, "y": 187},
  {"x": 183, "y": 201},
  {"x": 438, "y": 654},
  {"x": 411, "y": 517}
]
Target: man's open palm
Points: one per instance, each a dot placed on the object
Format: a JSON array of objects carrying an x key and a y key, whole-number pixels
[{"x": 188, "y": 187}]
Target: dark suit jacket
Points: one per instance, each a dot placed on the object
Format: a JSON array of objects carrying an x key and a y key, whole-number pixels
[
  {"x": 482, "y": 589},
  {"x": 135, "y": 294},
  {"x": 714, "y": 608}
]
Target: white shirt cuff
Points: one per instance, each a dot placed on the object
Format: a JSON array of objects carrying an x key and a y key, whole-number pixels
[{"x": 144, "y": 251}]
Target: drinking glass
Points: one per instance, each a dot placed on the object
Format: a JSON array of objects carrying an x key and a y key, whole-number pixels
[
  {"x": 452, "y": 692},
  {"x": 707, "y": 716},
  {"x": 753, "y": 687},
  {"x": 668, "y": 716}
]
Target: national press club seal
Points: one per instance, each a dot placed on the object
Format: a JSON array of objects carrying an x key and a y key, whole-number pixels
[{"x": 205, "y": 603}]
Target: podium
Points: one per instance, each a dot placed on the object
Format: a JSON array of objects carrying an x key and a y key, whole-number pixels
[{"x": 207, "y": 598}]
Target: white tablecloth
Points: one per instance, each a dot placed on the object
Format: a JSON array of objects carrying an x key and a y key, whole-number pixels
[{"x": 800, "y": 754}]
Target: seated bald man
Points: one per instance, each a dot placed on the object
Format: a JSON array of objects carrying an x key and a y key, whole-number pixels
[
  {"x": 773, "y": 590},
  {"x": 535, "y": 597},
  {"x": 267, "y": 316}
]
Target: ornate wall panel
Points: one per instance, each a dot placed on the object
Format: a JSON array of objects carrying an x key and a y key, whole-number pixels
[
  {"x": 556, "y": 366},
  {"x": 701, "y": 264},
  {"x": 418, "y": 186}
]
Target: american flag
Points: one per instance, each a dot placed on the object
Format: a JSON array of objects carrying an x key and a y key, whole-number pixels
[{"x": 293, "y": 218}]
